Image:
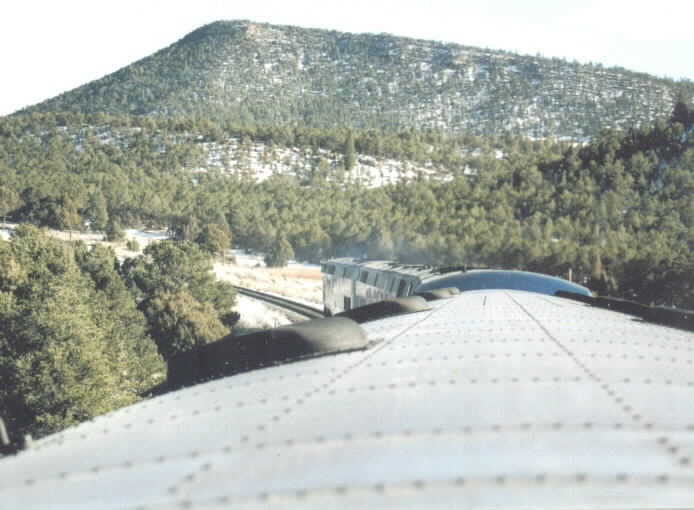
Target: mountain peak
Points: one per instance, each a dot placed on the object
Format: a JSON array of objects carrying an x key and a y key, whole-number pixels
[
  {"x": 219, "y": 28},
  {"x": 244, "y": 71}
]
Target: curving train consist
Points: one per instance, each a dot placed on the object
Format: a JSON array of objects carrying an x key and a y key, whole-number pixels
[{"x": 351, "y": 283}]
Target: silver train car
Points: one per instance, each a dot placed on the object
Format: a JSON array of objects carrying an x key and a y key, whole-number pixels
[
  {"x": 351, "y": 283},
  {"x": 493, "y": 398}
]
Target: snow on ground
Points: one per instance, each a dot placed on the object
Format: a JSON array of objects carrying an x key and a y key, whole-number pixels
[
  {"x": 300, "y": 282},
  {"x": 245, "y": 258},
  {"x": 88, "y": 237},
  {"x": 149, "y": 235},
  {"x": 254, "y": 259},
  {"x": 257, "y": 315},
  {"x": 143, "y": 238}
]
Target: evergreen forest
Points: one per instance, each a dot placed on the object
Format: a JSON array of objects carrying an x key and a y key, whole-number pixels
[{"x": 617, "y": 212}]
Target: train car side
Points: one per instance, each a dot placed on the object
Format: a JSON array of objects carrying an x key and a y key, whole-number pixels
[{"x": 348, "y": 284}]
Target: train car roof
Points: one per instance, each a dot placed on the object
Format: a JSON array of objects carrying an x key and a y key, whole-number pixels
[
  {"x": 418, "y": 270},
  {"x": 478, "y": 279},
  {"x": 497, "y": 398},
  {"x": 470, "y": 279}
]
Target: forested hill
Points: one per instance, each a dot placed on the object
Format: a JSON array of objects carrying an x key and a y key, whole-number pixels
[
  {"x": 248, "y": 72},
  {"x": 618, "y": 212}
]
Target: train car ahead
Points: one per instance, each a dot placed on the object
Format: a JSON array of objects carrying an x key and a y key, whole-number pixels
[{"x": 350, "y": 283}]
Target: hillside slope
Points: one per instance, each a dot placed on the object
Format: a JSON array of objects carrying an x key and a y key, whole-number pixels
[{"x": 250, "y": 72}]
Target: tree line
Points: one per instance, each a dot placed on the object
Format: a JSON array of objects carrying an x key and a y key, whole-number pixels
[{"x": 616, "y": 212}]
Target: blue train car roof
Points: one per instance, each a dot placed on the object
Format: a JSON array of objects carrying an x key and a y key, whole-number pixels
[
  {"x": 482, "y": 279},
  {"x": 470, "y": 279}
]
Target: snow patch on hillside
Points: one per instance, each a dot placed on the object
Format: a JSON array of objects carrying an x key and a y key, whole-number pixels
[{"x": 259, "y": 162}]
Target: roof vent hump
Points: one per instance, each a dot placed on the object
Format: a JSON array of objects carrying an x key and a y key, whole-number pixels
[
  {"x": 386, "y": 308},
  {"x": 235, "y": 354}
]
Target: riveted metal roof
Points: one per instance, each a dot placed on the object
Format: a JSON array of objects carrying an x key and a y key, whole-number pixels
[{"x": 489, "y": 398}]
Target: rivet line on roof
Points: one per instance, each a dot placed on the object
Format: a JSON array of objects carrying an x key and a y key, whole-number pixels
[
  {"x": 674, "y": 450},
  {"x": 495, "y": 428},
  {"x": 460, "y": 357},
  {"x": 452, "y": 381},
  {"x": 647, "y": 340},
  {"x": 633, "y": 343},
  {"x": 463, "y": 483},
  {"x": 641, "y": 357},
  {"x": 467, "y": 328},
  {"x": 457, "y": 342}
]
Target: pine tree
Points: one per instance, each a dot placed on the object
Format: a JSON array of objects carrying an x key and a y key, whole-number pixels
[
  {"x": 97, "y": 212},
  {"x": 279, "y": 253},
  {"x": 214, "y": 238},
  {"x": 349, "y": 158},
  {"x": 114, "y": 232},
  {"x": 67, "y": 215},
  {"x": 683, "y": 113},
  {"x": 9, "y": 200},
  {"x": 178, "y": 322}
]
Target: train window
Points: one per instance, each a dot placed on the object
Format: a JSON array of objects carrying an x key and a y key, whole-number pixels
[
  {"x": 392, "y": 284},
  {"x": 330, "y": 269},
  {"x": 347, "y": 304},
  {"x": 401, "y": 288},
  {"x": 364, "y": 276},
  {"x": 376, "y": 280}
]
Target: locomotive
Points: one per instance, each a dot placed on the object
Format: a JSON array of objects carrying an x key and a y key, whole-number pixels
[{"x": 350, "y": 283}]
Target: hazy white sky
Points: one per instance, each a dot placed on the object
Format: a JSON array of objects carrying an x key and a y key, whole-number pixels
[{"x": 50, "y": 46}]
